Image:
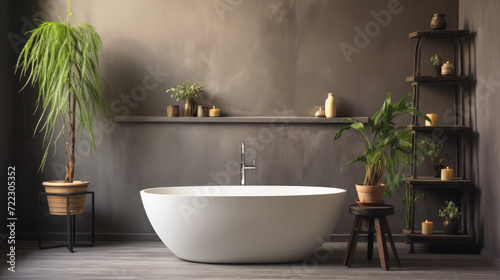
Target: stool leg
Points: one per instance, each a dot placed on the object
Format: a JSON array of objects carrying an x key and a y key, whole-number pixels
[
  {"x": 370, "y": 239},
  {"x": 351, "y": 238},
  {"x": 354, "y": 241},
  {"x": 382, "y": 246},
  {"x": 389, "y": 236}
]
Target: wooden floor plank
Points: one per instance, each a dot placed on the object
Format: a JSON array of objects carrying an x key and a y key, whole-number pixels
[{"x": 152, "y": 260}]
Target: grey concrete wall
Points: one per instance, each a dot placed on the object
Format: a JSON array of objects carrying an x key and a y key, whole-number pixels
[
  {"x": 6, "y": 76},
  {"x": 481, "y": 17},
  {"x": 255, "y": 58}
]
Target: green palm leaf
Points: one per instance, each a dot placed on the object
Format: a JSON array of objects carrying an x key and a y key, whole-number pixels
[{"x": 62, "y": 60}]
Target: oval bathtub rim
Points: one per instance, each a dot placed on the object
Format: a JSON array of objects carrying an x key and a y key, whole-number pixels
[{"x": 338, "y": 191}]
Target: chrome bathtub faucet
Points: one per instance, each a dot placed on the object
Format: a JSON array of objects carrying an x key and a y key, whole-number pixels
[{"x": 243, "y": 167}]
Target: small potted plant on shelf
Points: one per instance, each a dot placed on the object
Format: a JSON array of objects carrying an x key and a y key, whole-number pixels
[
  {"x": 385, "y": 145},
  {"x": 187, "y": 91},
  {"x": 437, "y": 61},
  {"x": 63, "y": 60},
  {"x": 452, "y": 217},
  {"x": 432, "y": 147}
]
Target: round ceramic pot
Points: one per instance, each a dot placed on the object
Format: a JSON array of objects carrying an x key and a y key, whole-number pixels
[
  {"x": 438, "y": 22},
  {"x": 450, "y": 226},
  {"x": 58, "y": 204},
  {"x": 370, "y": 194}
]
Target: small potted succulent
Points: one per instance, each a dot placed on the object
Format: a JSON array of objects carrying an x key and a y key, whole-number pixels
[
  {"x": 452, "y": 217},
  {"x": 437, "y": 61},
  {"x": 432, "y": 147},
  {"x": 187, "y": 91},
  {"x": 386, "y": 144}
]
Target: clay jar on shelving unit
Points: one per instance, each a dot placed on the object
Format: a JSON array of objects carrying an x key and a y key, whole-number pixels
[
  {"x": 438, "y": 22},
  {"x": 450, "y": 226}
]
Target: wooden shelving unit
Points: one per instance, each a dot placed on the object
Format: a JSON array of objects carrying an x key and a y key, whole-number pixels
[{"x": 460, "y": 129}]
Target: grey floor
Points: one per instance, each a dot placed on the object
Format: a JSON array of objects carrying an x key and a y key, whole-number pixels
[{"x": 152, "y": 260}]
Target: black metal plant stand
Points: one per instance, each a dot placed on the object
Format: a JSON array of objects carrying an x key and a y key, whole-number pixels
[{"x": 70, "y": 222}]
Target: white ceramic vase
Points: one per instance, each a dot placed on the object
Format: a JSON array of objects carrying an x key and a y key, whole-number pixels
[{"x": 330, "y": 106}]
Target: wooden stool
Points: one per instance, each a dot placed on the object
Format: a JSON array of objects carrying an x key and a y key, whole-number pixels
[{"x": 371, "y": 219}]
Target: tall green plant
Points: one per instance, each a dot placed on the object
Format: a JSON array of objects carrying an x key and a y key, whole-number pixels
[
  {"x": 386, "y": 143},
  {"x": 63, "y": 60},
  {"x": 395, "y": 182}
]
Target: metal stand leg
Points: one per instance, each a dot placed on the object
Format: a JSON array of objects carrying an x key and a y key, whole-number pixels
[{"x": 70, "y": 223}]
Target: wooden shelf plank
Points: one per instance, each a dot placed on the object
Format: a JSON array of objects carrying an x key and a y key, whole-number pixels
[
  {"x": 451, "y": 79},
  {"x": 250, "y": 120},
  {"x": 437, "y": 236},
  {"x": 438, "y": 34},
  {"x": 448, "y": 129},
  {"x": 433, "y": 182}
]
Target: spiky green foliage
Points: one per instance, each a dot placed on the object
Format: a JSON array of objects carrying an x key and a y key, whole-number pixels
[
  {"x": 387, "y": 143},
  {"x": 63, "y": 61}
]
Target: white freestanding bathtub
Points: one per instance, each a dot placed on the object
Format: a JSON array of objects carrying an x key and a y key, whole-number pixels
[{"x": 243, "y": 224}]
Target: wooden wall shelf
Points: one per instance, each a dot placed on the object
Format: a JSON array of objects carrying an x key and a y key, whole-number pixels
[{"x": 241, "y": 120}]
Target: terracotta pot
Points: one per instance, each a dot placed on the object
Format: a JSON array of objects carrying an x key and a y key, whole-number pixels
[
  {"x": 450, "y": 226},
  {"x": 58, "y": 204},
  {"x": 370, "y": 194}
]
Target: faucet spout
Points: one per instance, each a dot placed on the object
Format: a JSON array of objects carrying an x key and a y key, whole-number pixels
[{"x": 243, "y": 167}]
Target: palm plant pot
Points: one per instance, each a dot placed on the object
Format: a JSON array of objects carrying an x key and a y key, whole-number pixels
[
  {"x": 370, "y": 194},
  {"x": 58, "y": 204},
  {"x": 450, "y": 226}
]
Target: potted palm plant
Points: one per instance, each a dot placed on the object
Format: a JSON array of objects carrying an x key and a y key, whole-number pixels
[
  {"x": 187, "y": 91},
  {"x": 63, "y": 60},
  {"x": 385, "y": 145}
]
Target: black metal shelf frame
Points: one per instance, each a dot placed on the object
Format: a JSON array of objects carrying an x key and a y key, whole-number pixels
[{"x": 70, "y": 222}]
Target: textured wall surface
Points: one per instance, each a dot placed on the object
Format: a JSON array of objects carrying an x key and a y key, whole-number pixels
[
  {"x": 481, "y": 17},
  {"x": 6, "y": 76},
  {"x": 255, "y": 58}
]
